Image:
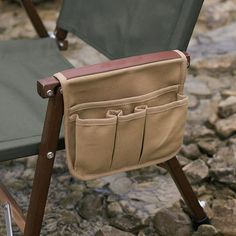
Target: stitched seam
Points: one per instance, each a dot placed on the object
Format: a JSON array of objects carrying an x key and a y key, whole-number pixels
[
  {"x": 88, "y": 106},
  {"x": 151, "y": 110}
]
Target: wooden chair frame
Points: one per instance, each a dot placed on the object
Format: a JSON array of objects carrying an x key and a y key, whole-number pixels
[{"x": 50, "y": 88}]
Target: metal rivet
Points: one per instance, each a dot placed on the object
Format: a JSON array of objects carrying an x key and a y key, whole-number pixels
[
  {"x": 61, "y": 44},
  {"x": 50, "y": 93},
  {"x": 50, "y": 155}
]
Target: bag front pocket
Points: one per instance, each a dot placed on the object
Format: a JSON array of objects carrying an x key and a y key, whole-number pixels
[
  {"x": 94, "y": 145},
  {"x": 118, "y": 135},
  {"x": 164, "y": 130},
  {"x": 128, "y": 141}
]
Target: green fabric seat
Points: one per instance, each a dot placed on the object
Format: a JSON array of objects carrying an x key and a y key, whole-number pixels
[
  {"x": 22, "y": 111},
  {"x": 124, "y": 28}
]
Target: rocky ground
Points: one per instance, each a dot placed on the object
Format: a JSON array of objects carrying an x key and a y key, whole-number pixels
[{"x": 146, "y": 202}]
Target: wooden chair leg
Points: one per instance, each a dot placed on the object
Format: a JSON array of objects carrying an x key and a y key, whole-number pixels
[
  {"x": 198, "y": 214},
  {"x": 44, "y": 166}
]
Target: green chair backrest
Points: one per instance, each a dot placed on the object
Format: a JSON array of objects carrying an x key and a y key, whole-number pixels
[{"x": 121, "y": 28}]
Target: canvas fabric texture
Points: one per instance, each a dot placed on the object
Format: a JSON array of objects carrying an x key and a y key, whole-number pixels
[
  {"x": 124, "y": 119},
  {"x": 22, "y": 63},
  {"x": 131, "y": 27}
]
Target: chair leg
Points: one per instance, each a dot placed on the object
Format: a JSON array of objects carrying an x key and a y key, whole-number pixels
[
  {"x": 44, "y": 166},
  {"x": 38, "y": 198},
  {"x": 198, "y": 214}
]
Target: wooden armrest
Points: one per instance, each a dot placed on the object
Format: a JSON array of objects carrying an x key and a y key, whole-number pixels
[{"x": 46, "y": 87}]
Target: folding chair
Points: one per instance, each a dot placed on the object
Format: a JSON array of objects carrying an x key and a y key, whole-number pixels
[{"x": 118, "y": 29}]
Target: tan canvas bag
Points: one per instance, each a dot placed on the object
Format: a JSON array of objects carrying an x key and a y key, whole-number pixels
[{"x": 124, "y": 114}]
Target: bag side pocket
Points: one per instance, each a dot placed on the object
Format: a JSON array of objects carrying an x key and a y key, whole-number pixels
[
  {"x": 94, "y": 145},
  {"x": 164, "y": 130}
]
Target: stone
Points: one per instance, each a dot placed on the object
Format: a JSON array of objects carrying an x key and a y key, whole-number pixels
[
  {"x": 200, "y": 131},
  {"x": 149, "y": 231},
  {"x": 191, "y": 151},
  {"x": 121, "y": 185},
  {"x": 197, "y": 87},
  {"x": 193, "y": 102},
  {"x": 201, "y": 113},
  {"x": 183, "y": 161},
  {"x": 224, "y": 216},
  {"x": 95, "y": 183},
  {"x": 223, "y": 166},
  {"x": 215, "y": 64},
  {"x": 224, "y": 175},
  {"x": 215, "y": 42},
  {"x": 141, "y": 233},
  {"x": 29, "y": 173},
  {"x": 147, "y": 197},
  {"x": 208, "y": 146},
  {"x": 206, "y": 230},
  {"x": 228, "y": 93},
  {"x": 218, "y": 14},
  {"x": 111, "y": 231},
  {"x": 227, "y": 107},
  {"x": 224, "y": 193},
  {"x": 128, "y": 223},
  {"x": 59, "y": 165},
  {"x": 51, "y": 225},
  {"x": 69, "y": 217},
  {"x": 214, "y": 83},
  {"x": 71, "y": 200},
  {"x": 196, "y": 171},
  {"x": 172, "y": 222},
  {"x": 138, "y": 209},
  {"x": 212, "y": 119},
  {"x": 232, "y": 140},
  {"x": 154, "y": 192},
  {"x": 226, "y": 127},
  {"x": 113, "y": 209},
  {"x": 31, "y": 162},
  {"x": 91, "y": 206}
]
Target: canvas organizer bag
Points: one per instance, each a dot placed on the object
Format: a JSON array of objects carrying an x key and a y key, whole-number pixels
[{"x": 124, "y": 114}]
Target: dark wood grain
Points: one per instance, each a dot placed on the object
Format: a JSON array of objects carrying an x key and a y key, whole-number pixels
[
  {"x": 35, "y": 18},
  {"x": 185, "y": 189},
  {"x": 44, "y": 166}
]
